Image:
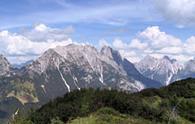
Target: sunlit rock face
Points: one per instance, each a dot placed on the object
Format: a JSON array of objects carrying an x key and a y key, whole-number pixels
[
  {"x": 4, "y": 66},
  {"x": 163, "y": 70}
]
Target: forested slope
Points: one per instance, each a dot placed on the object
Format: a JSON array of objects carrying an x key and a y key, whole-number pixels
[{"x": 172, "y": 104}]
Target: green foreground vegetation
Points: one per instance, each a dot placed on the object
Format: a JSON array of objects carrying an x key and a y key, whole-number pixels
[
  {"x": 174, "y": 104},
  {"x": 109, "y": 116}
]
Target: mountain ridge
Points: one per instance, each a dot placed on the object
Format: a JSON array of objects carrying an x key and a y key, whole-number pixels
[
  {"x": 163, "y": 69},
  {"x": 74, "y": 67}
]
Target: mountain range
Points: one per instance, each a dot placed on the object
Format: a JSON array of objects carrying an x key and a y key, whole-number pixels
[
  {"x": 165, "y": 70},
  {"x": 73, "y": 67}
]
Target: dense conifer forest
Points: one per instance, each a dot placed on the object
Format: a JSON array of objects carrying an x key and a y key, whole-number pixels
[{"x": 173, "y": 104}]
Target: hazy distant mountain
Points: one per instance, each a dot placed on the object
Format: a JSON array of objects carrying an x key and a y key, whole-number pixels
[
  {"x": 162, "y": 70},
  {"x": 128, "y": 67},
  {"x": 187, "y": 71},
  {"x": 19, "y": 66}
]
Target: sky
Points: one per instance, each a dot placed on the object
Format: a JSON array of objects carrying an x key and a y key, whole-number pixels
[{"x": 135, "y": 28}]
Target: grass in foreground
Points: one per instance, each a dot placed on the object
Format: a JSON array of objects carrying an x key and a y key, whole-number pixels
[{"x": 109, "y": 116}]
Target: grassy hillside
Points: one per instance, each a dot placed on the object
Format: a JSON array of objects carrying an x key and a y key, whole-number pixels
[
  {"x": 174, "y": 104},
  {"x": 109, "y": 116},
  {"x": 20, "y": 88}
]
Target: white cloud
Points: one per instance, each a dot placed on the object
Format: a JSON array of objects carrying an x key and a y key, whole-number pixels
[
  {"x": 103, "y": 42},
  {"x": 171, "y": 50},
  {"x": 13, "y": 44},
  {"x": 158, "y": 39},
  {"x": 190, "y": 45},
  {"x": 42, "y": 33},
  {"x": 179, "y": 11},
  {"x": 137, "y": 44},
  {"x": 152, "y": 41},
  {"x": 119, "y": 44},
  {"x": 132, "y": 55},
  {"x": 183, "y": 58},
  {"x": 41, "y": 28}
]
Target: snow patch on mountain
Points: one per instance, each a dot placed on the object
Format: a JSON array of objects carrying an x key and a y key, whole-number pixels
[
  {"x": 76, "y": 82},
  {"x": 43, "y": 87},
  {"x": 64, "y": 80}
]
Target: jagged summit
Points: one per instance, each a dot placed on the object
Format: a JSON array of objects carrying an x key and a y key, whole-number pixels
[
  {"x": 149, "y": 57},
  {"x": 169, "y": 59},
  {"x": 106, "y": 50},
  {"x": 188, "y": 70},
  {"x": 190, "y": 65},
  {"x": 166, "y": 57},
  {"x": 162, "y": 69},
  {"x": 112, "y": 54},
  {"x": 75, "y": 49},
  {"x": 4, "y": 66}
]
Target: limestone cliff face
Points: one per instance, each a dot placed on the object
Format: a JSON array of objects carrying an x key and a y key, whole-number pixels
[{"x": 4, "y": 66}]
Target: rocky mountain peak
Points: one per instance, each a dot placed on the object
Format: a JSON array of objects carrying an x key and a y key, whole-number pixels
[
  {"x": 106, "y": 50},
  {"x": 167, "y": 58},
  {"x": 4, "y": 66},
  {"x": 149, "y": 57},
  {"x": 112, "y": 54},
  {"x": 162, "y": 69},
  {"x": 49, "y": 57},
  {"x": 190, "y": 65},
  {"x": 75, "y": 49}
]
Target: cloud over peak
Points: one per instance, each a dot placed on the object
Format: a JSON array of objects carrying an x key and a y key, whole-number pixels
[
  {"x": 152, "y": 41},
  {"x": 33, "y": 42}
]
